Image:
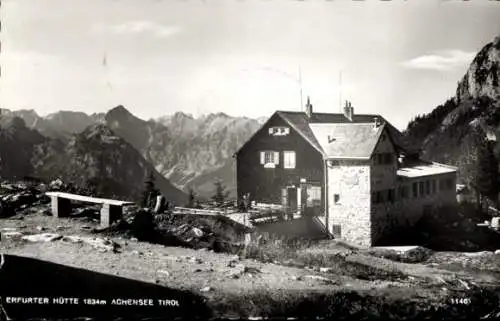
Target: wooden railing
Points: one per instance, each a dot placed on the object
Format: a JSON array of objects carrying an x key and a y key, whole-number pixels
[{"x": 199, "y": 211}]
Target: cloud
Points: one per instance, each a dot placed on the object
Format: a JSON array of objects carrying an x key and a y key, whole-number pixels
[
  {"x": 443, "y": 60},
  {"x": 139, "y": 27}
]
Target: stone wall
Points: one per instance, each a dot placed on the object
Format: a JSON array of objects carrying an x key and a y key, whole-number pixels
[{"x": 350, "y": 180}]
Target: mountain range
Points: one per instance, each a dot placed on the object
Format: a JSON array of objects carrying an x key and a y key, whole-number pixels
[{"x": 190, "y": 152}]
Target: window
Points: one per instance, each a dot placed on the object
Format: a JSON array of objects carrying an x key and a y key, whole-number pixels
[
  {"x": 336, "y": 198},
  {"x": 313, "y": 195},
  {"x": 433, "y": 186},
  {"x": 336, "y": 230},
  {"x": 427, "y": 187},
  {"x": 289, "y": 159},
  {"x": 269, "y": 158},
  {"x": 279, "y": 131},
  {"x": 421, "y": 188},
  {"x": 415, "y": 190}
]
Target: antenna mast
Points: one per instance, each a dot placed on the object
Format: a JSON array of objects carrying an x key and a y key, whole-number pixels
[
  {"x": 340, "y": 91},
  {"x": 300, "y": 83}
]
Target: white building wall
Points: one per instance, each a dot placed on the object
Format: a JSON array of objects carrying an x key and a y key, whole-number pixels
[{"x": 350, "y": 180}]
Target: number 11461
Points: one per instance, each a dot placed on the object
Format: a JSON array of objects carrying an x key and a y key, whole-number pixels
[{"x": 460, "y": 301}]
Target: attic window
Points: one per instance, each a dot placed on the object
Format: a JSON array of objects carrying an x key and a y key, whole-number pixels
[{"x": 279, "y": 131}]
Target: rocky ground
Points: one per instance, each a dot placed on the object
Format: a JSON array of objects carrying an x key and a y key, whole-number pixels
[{"x": 326, "y": 279}]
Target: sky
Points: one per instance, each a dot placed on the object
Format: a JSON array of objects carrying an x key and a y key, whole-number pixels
[{"x": 395, "y": 58}]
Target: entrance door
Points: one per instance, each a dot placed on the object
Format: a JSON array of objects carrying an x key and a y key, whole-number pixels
[{"x": 291, "y": 201}]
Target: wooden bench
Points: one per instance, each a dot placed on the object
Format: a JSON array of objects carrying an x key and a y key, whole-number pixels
[{"x": 111, "y": 209}]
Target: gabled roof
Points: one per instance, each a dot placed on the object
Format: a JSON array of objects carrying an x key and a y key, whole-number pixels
[
  {"x": 300, "y": 123},
  {"x": 347, "y": 140}
]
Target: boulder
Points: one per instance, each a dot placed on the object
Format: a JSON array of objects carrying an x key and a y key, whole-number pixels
[
  {"x": 165, "y": 273},
  {"x": 318, "y": 278},
  {"x": 56, "y": 184},
  {"x": 325, "y": 269},
  {"x": 251, "y": 270},
  {"x": 197, "y": 232},
  {"x": 12, "y": 235},
  {"x": 8, "y": 229},
  {"x": 192, "y": 259},
  {"x": 99, "y": 244},
  {"x": 44, "y": 237}
]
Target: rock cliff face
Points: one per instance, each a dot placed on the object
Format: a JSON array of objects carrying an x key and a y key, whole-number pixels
[
  {"x": 482, "y": 78},
  {"x": 450, "y": 132}
]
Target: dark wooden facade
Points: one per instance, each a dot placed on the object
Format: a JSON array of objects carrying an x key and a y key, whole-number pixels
[{"x": 267, "y": 185}]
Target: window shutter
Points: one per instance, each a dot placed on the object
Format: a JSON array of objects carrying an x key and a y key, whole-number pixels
[
  {"x": 276, "y": 158},
  {"x": 262, "y": 155}
]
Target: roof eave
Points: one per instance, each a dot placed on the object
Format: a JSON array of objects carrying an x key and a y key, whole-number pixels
[
  {"x": 347, "y": 157},
  {"x": 300, "y": 133},
  {"x": 253, "y": 135},
  {"x": 445, "y": 165}
]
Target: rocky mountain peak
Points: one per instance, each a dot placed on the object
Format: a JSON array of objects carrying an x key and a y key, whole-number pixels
[
  {"x": 483, "y": 76},
  {"x": 119, "y": 112},
  {"x": 181, "y": 115}
]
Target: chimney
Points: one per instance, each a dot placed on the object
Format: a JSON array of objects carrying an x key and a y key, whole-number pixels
[
  {"x": 348, "y": 110},
  {"x": 309, "y": 108},
  {"x": 376, "y": 122}
]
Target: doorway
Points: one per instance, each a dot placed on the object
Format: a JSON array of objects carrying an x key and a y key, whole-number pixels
[{"x": 291, "y": 202}]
